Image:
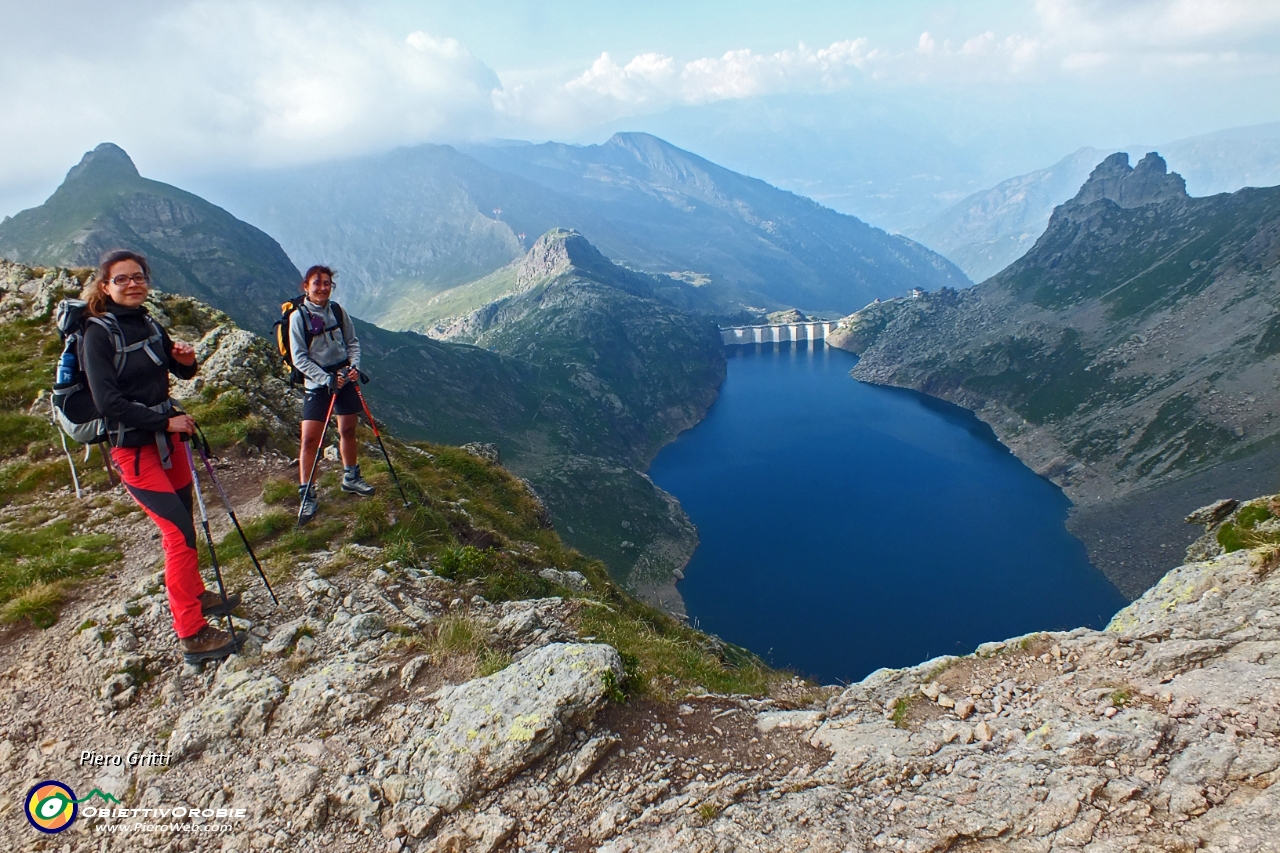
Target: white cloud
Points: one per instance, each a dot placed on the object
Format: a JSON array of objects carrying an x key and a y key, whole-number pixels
[
  {"x": 1150, "y": 35},
  {"x": 227, "y": 84},
  {"x": 651, "y": 81},
  {"x": 202, "y": 84}
]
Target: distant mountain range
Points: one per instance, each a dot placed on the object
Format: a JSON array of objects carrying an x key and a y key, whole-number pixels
[
  {"x": 403, "y": 226},
  {"x": 1136, "y": 343},
  {"x": 988, "y": 230}
]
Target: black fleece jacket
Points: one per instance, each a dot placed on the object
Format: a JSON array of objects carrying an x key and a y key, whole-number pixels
[{"x": 123, "y": 398}]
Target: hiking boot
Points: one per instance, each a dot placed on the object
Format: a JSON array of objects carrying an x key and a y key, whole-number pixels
[
  {"x": 211, "y": 603},
  {"x": 209, "y": 644},
  {"x": 354, "y": 483},
  {"x": 310, "y": 504}
]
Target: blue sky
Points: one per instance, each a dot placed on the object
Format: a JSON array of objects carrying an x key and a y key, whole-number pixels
[{"x": 192, "y": 87}]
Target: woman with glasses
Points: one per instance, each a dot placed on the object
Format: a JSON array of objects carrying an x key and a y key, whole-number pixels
[{"x": 127, "y": 358}]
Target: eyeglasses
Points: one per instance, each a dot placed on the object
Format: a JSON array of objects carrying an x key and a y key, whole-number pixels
[{"x": 136, "y": 278}]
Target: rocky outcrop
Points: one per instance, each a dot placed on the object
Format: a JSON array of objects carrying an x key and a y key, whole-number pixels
[
  {"x": 487, "y": 730},
  {"x": 554, "y": 252},
  {"x": 1131, "y": 186},
  {"x": 992, "y": 228},
  {"x": 1160, "y": 733}
]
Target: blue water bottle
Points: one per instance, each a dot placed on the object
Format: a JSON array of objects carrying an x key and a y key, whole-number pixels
[{"x": 67, "y": 365}]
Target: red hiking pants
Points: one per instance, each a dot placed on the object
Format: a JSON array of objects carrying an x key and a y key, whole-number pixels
[{"x": 166, "y": 496}]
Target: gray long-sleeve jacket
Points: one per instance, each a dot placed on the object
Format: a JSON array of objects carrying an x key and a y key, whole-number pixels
[{"x": 330, "y": 345}]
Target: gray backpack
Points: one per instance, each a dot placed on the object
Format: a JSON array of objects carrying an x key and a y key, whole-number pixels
[
  {"x": 74, "y": 410},
  {"x": 73, "y": 406}
]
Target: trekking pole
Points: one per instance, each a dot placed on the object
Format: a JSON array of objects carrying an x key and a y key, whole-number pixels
[
  {"x": 319, "y": 450},
  {"x": 213, "y": 555},
  {"x": 75, "y": 479},
  {"x": 203, "y": 446},
  {"x": 373, "y": 424}
]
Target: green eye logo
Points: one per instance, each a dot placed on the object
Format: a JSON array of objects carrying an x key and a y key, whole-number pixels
[{"x": 51, "y": 806}]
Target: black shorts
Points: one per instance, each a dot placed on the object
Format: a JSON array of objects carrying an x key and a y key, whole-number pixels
[{"x": 315, "y": 403}]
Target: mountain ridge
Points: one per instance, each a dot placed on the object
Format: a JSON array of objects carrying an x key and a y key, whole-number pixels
[
  {"x": 1131, "y": 347},
  {"x": 413, "y": 222},
  {"x": 989, "y": 229},
  {"x": 194, "y": 247}
]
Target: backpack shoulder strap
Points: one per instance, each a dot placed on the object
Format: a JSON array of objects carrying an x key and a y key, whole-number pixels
[
  {"x": 115, "y": 335},
  {"x": 122, "y": 349}
]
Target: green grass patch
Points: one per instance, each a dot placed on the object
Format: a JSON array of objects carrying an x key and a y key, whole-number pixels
[
  {"x": 1250, "y": 515},
  {"x": 52, "y": 553},
  {"x": 228, "y": 419},
  {"x": 257, "y": 530},
  {"x": 37, "y": 604},
  {"x": 316, "y": 536},
  {"x": 901, "y": 708},
  {"x": 1240, "y": 532},
  {"x": 668, "y": 659},
  {"x": 491, "y": 662},
  {"x": 465, "y": 563},
  {"x": 18, "y": 431},
  {"x": 403, "y": 551},
  {"x": 459, "y": 635},
  {"x": 371, "y": 521},
  {"x": 279, "y": 490}
]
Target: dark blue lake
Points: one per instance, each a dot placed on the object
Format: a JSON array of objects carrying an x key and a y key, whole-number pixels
[{"x": 845, "y": 527}]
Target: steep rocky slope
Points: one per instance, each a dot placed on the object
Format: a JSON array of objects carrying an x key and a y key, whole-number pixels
[
  {"x": 382, "y": 607},
  {"x": 194, "y": 247},
  {"x": 1134, "y": 345},
  {"x": 411, "y": 223},
  {"x": 452, "y": 679}
]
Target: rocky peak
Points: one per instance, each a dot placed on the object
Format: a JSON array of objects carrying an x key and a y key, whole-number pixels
[
  {"x": 107, "y": 161},
  {"x": 1150, "y": 182},
  {"x": 553, "y": 253}
]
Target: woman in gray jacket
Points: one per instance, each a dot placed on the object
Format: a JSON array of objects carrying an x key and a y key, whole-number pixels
[{"x": 327, "y": 353}]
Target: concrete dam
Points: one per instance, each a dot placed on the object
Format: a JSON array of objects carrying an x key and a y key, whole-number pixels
[{"x": 776, "y": 334}]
